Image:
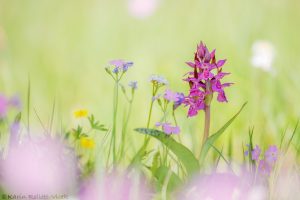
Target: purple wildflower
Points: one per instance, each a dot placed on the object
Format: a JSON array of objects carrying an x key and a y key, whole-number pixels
[
  {"x": 120, "y": 65},
  {"x": 204, "y": 80},
  {"x": 167, "y": 128},
  {"x": 271, "y": 154},
  {"x": 169, "y": 95},
  {"x": 256, "y": 153},
  {"x": 175, "y": 97},
  {"x": 179, "y": 100}
]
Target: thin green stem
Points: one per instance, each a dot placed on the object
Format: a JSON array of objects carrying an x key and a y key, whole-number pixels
[
  {"x": 115, "y": 112},
  {"x": 147, "y": 138},
  {"x": 151, "y": 106}
]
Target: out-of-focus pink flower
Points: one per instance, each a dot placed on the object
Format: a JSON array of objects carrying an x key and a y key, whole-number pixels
[
  {"x": 218, "y": 186},
  {"x": 39, "y": 166},
  {"x": 116, "y": 186},
  {"x": 142, "y": 9},
  {"x": 3, "y": 106}
]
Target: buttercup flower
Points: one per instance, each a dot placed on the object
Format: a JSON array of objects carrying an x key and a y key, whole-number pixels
[
  {"x": 204, "y": 80},
  {"x": 87, "y": 142},
  {"x": 81, "y": 113}
]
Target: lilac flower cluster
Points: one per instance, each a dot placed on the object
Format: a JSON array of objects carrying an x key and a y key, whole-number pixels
[
  {"x": 204, "y": 80},
  {"x": 120, "y": 65},
  {"x": 266, "y": 164}
]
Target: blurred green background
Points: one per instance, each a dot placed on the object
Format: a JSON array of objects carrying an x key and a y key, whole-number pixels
[{"x": 63, "y": 47}]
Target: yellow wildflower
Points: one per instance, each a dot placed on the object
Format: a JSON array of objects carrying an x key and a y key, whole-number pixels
[
  {"x": 87, "y": 143},
  {"x": 81, "y": 113}
]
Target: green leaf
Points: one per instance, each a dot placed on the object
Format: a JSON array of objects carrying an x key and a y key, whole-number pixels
[
  {"x": 96, "y": 124},
  {"x": 183, "y": 153},
  {"x": 161, "y": 174},
  {"x": 210, "y": 141}
]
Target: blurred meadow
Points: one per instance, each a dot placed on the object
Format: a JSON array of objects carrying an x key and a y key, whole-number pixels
[{"x": 62, "y": 47}]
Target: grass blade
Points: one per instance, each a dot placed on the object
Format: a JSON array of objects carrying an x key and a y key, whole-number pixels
[{"x": 211, "y": 140}]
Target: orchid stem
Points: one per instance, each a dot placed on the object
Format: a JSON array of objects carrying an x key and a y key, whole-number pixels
[{"x": 206, "y": 123}]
